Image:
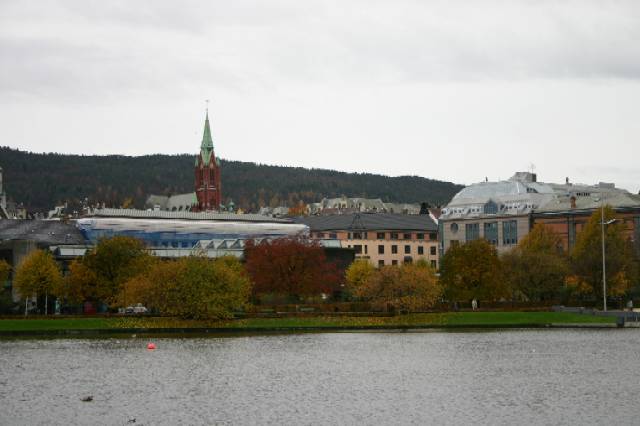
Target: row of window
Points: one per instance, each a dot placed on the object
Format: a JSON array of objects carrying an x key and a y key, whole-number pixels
[
  {"x": 358, "y": 248},
  {"x": 509, "y": 232},
  {"x": 407, "y": 259},
  {"x": 381, "y": 235}
]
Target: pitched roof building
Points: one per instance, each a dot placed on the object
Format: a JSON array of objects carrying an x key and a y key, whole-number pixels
[
  {"x": 503, "y": 212},
  {"x": 381, "y": 238}
]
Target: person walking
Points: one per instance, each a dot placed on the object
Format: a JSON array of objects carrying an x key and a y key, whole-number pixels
[{"x": 474, "y": 304}]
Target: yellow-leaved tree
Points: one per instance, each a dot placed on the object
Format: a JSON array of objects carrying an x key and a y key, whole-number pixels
[
  {"x": 38, "y": 275},
  {"x": 621, "y": 263},
  {"x": 536, "y": 269},
  {"x": 410, "y": 287},
  {"x": 100, "y": 274},
  {"x": 191, "y": 287},
  {"x": 473, "y": 271}
]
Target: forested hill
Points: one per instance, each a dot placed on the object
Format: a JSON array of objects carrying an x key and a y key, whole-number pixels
[{"x": 41, "y": 181}]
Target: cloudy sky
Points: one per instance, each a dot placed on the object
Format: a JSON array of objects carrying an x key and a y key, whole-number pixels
[{"x": 452, "y": 90}]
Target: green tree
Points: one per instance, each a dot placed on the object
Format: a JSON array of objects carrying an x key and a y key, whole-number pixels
[
  {"x": 621, "y": 263},
  {"x": 473, "y": 271},
  {"x": 192, "y": 287},
  {"x": 408, "y": 287},
  {"x": 5, "y": 268},
  {"x": 100, "y": 274},
  {"x": 38, "y": 274},
  {"x": 536, "y": 269}
]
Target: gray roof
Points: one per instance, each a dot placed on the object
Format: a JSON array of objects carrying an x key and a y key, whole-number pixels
[
  {"x": 178, "y": 201},
  {"x": 369, "y": 222},
  {"x": 163, "y": 214},
  {"x": 522, "y": 195},
  {"x": 42, "y": 231}
]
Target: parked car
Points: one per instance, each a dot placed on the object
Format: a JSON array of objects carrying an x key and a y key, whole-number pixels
[{"x": 137, "y": 309}]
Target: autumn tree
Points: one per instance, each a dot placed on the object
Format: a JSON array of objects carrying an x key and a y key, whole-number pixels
[
  {"x": 191, "y": 287},
  {"x": 300, "y": 209},
  {"x": 38, "y": 274},
  {"x": 358, "y": 274},
  {"x": 100, "y": 274},
  {"x": 472, "y": 271},
  {"x": 621, "y": 263},
  {"x": 536, "y": 269},
  {"x": 294, "y": 267},
  {"x": 5, "y": 268},
  {"x": 410, "y": 287}
]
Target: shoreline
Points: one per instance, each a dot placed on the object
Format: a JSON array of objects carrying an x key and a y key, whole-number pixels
[{"x": 226, "y": 331}]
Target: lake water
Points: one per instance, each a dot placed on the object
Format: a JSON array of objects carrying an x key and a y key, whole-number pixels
[{"x": 511, "y": 377}]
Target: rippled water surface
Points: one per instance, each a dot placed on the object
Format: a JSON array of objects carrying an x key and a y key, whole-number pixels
[{"x": 511, "y": 377}]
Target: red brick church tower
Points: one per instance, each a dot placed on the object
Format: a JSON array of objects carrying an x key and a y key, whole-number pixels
[{"x": 207, "y": 172}]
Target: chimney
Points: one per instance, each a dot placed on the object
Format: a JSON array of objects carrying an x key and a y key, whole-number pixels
[{"x": 573, "y": 202}]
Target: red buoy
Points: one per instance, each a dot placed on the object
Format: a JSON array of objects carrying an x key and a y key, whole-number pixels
[{"x": 151, "y": 346}]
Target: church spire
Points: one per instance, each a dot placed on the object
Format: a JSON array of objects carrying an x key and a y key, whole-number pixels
[{"x": 206, "y": 147}]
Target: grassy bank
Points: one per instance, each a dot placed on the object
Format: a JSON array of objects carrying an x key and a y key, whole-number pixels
[{"x": 452, "y": 319}]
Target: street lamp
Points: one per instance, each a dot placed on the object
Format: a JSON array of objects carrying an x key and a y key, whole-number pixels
[
  {"x": 600, "y": 198},
  {"x": 604, "y": 266}
]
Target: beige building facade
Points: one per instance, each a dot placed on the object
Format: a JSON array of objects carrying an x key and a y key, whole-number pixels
[{"x": 382, "y": 239}]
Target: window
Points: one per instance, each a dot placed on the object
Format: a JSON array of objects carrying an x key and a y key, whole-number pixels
[
  {"x": 433, "y": 236},
  {"x": 420, "y": 250},
  {"x": 320, "y": 234},
  {"x": 394, "y": 235},
  {"x": 420, "y": 236},
  {"x": 432, "y": 250},
  {"x": 510, "y": 232},
  {"x": 471, "y": 231},
  {"x": 491, "y": 232},
  {"x": 333, "y": 235},
  {"x": 357, "y": 235},
  {"x": 348, "y": 235},
  {"x": 407, "y": 236},
  {"x": 408, "y": 259},
  {"x": 433, "y": 264},
  {"x": 366, "y": 249},
  {"x": 572, "y": 233},
  {"x": 357, "y": 248},
  {"x": 380, "y": 235},
  {"x": 380, "y": 249},
  {"x": 454, "y": 227},
  {"x": 381, "y": 262},
  {"x": 394, "y": 249},
  {"x": 407, "y": 249},
  {"x": 454, "y": 243},
  {"x": 394, "y": 262},
  {"x": 490, "y": 208}
]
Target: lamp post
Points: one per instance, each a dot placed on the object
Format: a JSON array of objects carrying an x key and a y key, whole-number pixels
[{"x": 604, "y": 265}]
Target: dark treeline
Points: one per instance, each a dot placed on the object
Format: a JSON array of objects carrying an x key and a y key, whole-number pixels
[{"x": 41, "y": 181}]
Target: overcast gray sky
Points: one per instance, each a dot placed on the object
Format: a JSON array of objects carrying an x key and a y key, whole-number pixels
[{"x": 453, "y": 90}]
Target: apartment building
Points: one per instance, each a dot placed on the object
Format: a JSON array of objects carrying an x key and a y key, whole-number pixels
[{"x": 381, "y": 238}]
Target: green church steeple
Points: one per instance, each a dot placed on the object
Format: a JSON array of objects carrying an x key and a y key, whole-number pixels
[{"x": 206, "y": 147}]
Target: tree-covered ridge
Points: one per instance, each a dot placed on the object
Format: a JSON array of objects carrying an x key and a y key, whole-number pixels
[{"x": 41, "y": 181}]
